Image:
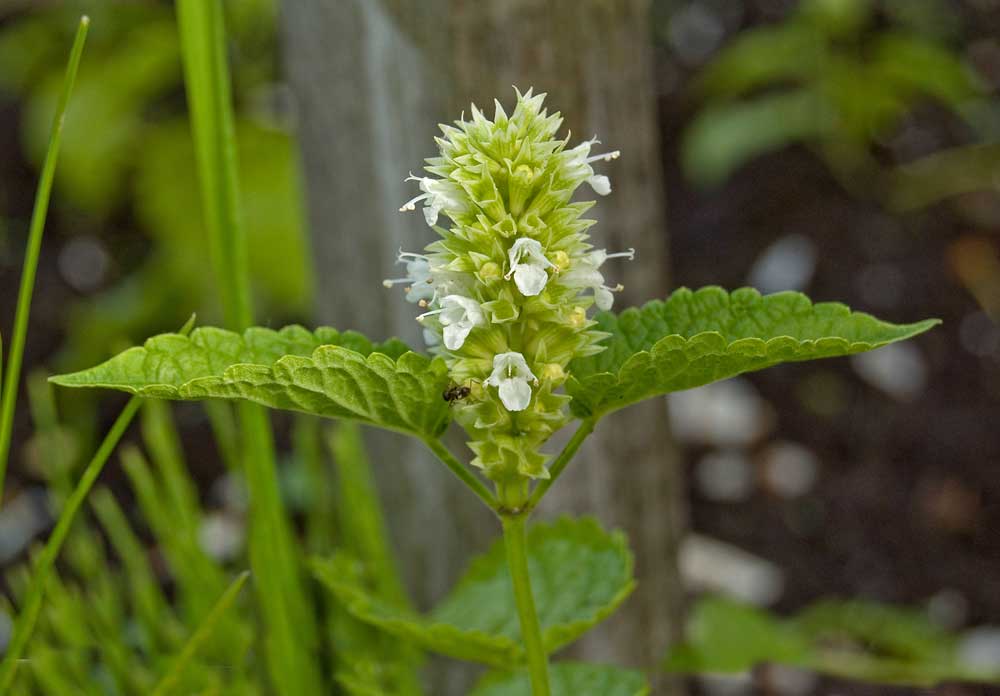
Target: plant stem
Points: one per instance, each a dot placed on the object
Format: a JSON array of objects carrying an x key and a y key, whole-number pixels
[
  {"x": 516, "y": 540},
  {"x": 31, "y": 254},
  {"x": 559, "y": 465},
  {"x": 32, "y": 606},
  {"x": 289, "y": 625},
  {"x": 462, "y": 472}
]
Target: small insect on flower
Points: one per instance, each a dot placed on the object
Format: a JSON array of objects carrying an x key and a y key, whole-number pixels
[{"x": 456, "y": 392}]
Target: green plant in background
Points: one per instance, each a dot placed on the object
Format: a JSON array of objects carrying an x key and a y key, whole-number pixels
[
  {"x": 827, "y": 77},
  {"x": 515, "y": 355},
  {"x": 850, "y": 639},
  {"x": 128, "y": 153}
]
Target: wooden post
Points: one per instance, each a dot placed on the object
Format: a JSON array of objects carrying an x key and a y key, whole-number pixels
[{"x": 372, "y": 78}]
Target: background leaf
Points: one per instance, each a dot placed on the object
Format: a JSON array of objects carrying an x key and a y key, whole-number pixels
[
  {"x": 697, "y": 337},
  {"x": 852, "y": 639},
  {"x": 569, "y": 679}
]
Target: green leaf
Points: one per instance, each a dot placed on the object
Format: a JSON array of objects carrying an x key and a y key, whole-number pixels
[
  {"x": 726, "y": 636},
  {"x": 697, "y": 337},
  {"x": 326, "y": 373},
  {"x": 580, "y": 574},
  {"x": 345, "y": 577},
  {"x": 857, "y": 640},
  {"x": 569, "y": 679},
  {"x": 724, "y": 137}
]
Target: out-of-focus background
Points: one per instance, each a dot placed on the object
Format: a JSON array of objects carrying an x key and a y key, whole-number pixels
[{"x": 849, "y": 149}]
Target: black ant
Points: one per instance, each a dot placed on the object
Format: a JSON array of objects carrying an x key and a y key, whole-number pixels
[{"x": 456, "y": 392}]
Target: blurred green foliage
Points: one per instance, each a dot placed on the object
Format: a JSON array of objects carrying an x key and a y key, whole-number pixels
[
  {"x": 127, "y": 156},
  {"x": 853, "y": 639},
  {"x": 130, "y": 595},
  {"x": 834, "y": 76}
]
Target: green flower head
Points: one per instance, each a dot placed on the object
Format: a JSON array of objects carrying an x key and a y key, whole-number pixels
[{"x": 508, "y": 285}]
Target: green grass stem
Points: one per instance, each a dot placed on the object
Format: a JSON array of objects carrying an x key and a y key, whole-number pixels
[
  {"x": 28, "y": 617},
  {"x": 290, "y": 628},
  {"x": 201, "y": 634},
  {"x": 8, "y": 400}
]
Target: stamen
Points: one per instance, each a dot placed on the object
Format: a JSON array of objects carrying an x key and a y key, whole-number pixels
[
  {"x": 607, "y": 156},
  {"x": 412, "y": 203},
  {"x": 628, "y": 254},
  {"x": 420, "y": 317},
  {"x": 389, "y": 282}
]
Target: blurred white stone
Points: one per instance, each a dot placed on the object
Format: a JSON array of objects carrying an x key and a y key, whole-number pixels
[
  {"x": 694, "y": 33},
  {"x": 221, "y": 536},
  {"x": 83, "y": 263},
  {"x": 790, "y": 470},
  {"x": 791, "y": 681},
  {"x": 711, "y": 565},
  {"x": 724, "y": 476},
  {"x": 788, "y": 264},
  {"x": 724, "y": 414},
  {"x": 948, "y": 608},
  {"x": 897, "y": 369},
  {"x": 21, "y": 519},
  {"x": 727, "y": 684},
  {"x": 979, "y": 649}
]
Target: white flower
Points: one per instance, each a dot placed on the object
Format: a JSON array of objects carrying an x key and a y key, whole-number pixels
[
  {"x": 527, "y": 265},
  {"x": 584, "y": 275},
  {"x": 459, "y": 315},
  {"x": 511, "y": 376},
  {"x": 580, "y": 165},
  {"x": 439, "y": 194},
  {"x": 418, "y": 275}
]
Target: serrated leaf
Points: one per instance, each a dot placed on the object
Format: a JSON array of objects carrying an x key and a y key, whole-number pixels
[
  {"x": 325, "y": 372},
  {"x": 580, "y": 575},
  {"x": 344, "y": 576},
  {"x": 697, "y": 337},
  {"x": 569, "y": 679}
]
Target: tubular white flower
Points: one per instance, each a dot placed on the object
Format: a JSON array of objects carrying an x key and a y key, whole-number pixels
[
  {"x": 511, "y": 376},
  {"x": 459, "y": 315},
  {"x": 584, "y": 275},
  {"x": 438, "y": 194},
  {"x": 579, "y": 165},
  {"x": 528, "y": 266},
  {"x": 418, "y": 275}
]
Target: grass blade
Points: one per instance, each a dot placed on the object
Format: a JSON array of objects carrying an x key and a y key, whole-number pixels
[
  {"x": 290, "y": 627},
  {"x": 201, "y": 634},
  {"x": 37, "y": 227},
  {"x": 26, "y": 620}
]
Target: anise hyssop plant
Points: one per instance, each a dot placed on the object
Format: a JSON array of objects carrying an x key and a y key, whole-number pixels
[{"x": 516, "y": 312}]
